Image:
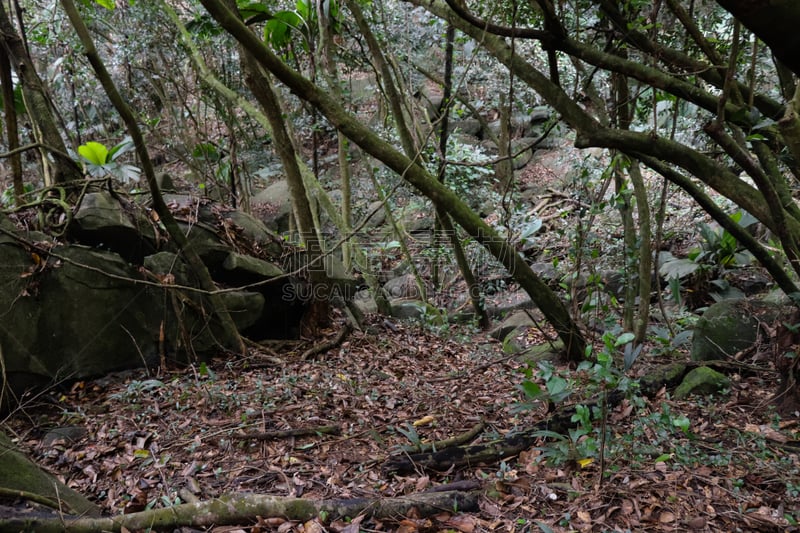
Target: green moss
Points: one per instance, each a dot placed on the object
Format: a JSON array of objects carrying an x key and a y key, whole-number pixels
[
  {"x": 17, "y": 472},
  {"x": 702, "y": 381}
]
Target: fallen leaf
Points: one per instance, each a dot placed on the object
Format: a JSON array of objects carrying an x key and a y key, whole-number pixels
[
  {"x": 462, "y": 522},
  {"x": 313, "y": 526},
  {"x": 407, "y": 526},
  {"x": 697, "y": 522},
  {"x": 425, "y": 420}
]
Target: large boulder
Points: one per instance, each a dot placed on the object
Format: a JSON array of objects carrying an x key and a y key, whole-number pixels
[
  {"x": 104, "y": 221},
  {"x": 730, "y": 326},
  {"x": 83, "y": 312},
  {"x": 274, "y": 206},
  {"x": 72, "y": 311}
]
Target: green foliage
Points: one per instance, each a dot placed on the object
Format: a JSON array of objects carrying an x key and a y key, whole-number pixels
[
  {"x": 108, "y": 4},
  {"x": 277, "y": 30},
  {"x": 99, "y": 161},
  {"x": 556, "y": 389},
  {"x": 94, "y": 152},
  {"x": 719, "y": 250},
  {"x": 7, "y": 197},
  {"x": 281, "y": 25},
  {"x": 19, "y": 102},
  {"x": 583, "y": 442},
  {"x": 702, "y": 271}
]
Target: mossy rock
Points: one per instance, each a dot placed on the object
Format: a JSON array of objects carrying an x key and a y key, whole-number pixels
[
  {"x": 18, "y": 473},
  {"x": 730, "y": 326},
  {"x": 552, "y": 351},
  {"x": 662, "y": 376},
  {"x": 701, "y": 381},
  {"x": 510, "y": 324},
  {"x": 417, "y": 310}
]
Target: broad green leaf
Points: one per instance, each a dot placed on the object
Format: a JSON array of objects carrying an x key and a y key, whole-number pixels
[
  {"x": 625, "y": 338},
  {"x": 122, "y": 148},
  {"x": 206, "y": 151},
  {"x": 556, "y": 385},
  {"x": 531, "y": 389},
  {"x": 681, "y": 422},
  {"x": 303, "y": 9},
  {"x": 108, "y": 4},
  {"x": 678, "y": 268},
  {"x": 249, "y": 10},
  {"x": 94, "y": 153},
  {"x": 277, "y": 29}
]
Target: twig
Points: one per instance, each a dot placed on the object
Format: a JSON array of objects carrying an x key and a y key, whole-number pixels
[
  {"x": 458, "y": 440},
  {"x": 284, "y": 433}
]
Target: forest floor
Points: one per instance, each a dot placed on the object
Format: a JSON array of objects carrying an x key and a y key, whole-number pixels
[
  {"x": 144, "y": 440},
  {"x": 140, "y": 440}
]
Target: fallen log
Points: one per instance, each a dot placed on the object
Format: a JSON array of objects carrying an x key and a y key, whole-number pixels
[{"x": 240, "y": 509}]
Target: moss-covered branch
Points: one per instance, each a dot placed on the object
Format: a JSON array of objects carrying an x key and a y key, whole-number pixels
[{"x": 236, "y": 509}]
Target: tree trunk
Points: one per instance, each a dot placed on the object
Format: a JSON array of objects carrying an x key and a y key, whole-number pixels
[
  {"x": 550, "y": 305},
  {"x": 231, "y": 337},
  {"x": 261, "y": 86},
  {"x": 12, "y": 131},
  {"x": 38, "y": 106}
]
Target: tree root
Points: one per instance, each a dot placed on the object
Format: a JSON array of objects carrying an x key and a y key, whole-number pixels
[{"x": 323, "y": 347}]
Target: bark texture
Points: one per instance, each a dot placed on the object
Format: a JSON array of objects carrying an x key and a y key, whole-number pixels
[{"x": 775, "y": 22}]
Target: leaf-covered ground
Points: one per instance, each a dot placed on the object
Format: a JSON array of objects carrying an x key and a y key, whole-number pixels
[{"x": 142, "y": 440}]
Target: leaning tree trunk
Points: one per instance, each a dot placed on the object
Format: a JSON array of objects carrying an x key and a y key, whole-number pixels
[
  {"x": 232, "y": 339},
  {"x": 62, "y": 168},
  {"x": 551, "y": 306},
  {"x": 261, "y": 86}
]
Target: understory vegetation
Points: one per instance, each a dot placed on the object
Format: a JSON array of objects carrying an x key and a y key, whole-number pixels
[{"x": 530, "y": 207}]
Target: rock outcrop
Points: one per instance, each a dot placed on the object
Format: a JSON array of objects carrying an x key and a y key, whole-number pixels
[{"x": 116, "y": 293}]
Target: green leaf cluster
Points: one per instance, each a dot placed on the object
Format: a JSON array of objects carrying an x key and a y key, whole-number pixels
[{"x": 101, "y": 161}]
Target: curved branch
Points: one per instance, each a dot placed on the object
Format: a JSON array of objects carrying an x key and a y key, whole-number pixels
[
  {"x": 591, "y": 134},
  {"x": 743, "y": 236},
  {"x": 414, "y": 173},
  {"x": 496, "y": 29},
  {"x": 704, "y": 168}
]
